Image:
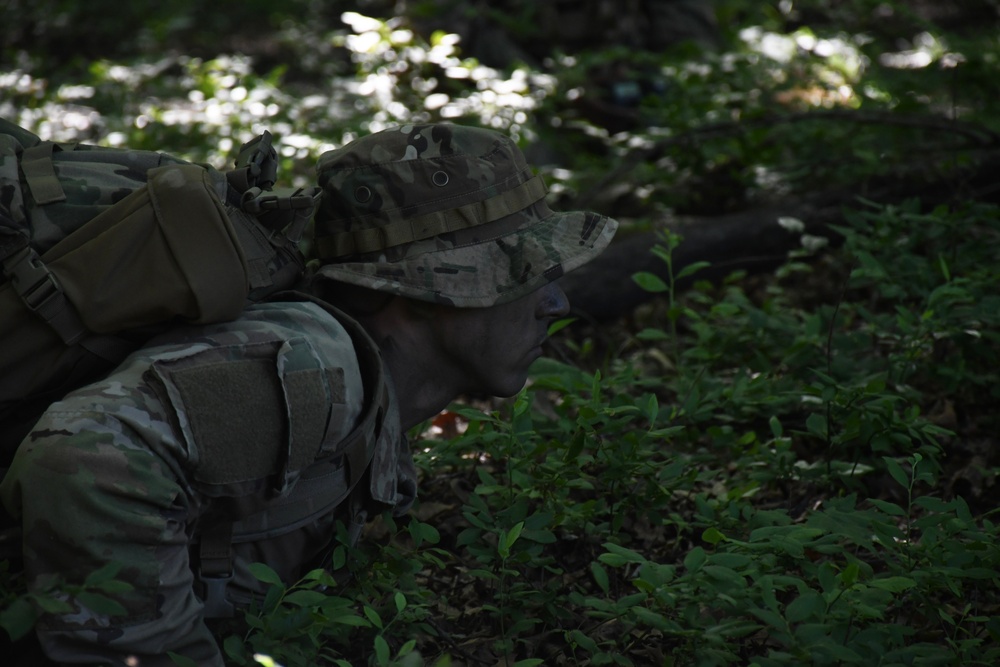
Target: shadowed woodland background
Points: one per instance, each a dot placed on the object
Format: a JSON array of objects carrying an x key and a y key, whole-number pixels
[{"x": 768, "y": 437}]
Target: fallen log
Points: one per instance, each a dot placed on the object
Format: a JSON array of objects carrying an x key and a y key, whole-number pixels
[{"x": 756, "y": 240}]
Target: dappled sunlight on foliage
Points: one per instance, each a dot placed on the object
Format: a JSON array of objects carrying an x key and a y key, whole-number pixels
[{"x": 797, "y": 467}]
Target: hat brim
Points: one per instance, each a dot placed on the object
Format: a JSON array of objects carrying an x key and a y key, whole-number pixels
[{"x": 484, "y": 270}]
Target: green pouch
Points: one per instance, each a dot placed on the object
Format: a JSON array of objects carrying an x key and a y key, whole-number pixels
[{"x": 166, "y": 251}]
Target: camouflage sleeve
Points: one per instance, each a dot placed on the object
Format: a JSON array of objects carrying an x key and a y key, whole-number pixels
[
  {"x": 89, "y": 493},
  {"x": 121, "y": 471}
]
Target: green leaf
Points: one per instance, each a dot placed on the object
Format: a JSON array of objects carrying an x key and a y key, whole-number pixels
[
  {"x": 771, "y": 618},
  {"x": 106, "y": 573},
  {"x": 351, "y": 620},
  {"x": 582, "y": 640},
  {"x": 114, "y": 586},
  {"x": 653, "y": 335},
  {"x": 539, "y": 536},
  {"x": 692, "y": 268},
  {"x": 101, "y": 604},
  {"x": 51, "y": 605},
  {"x": 650, "y": 282},
  {"x": 305, "y": 598},
  {"x": 935, "y": 505},
  {"x": 893, "y": 584},
  {"x": 695, "y": 559},
  {"x": 722, "y": 573},
  {"x": 775, "y": 424},
  {"x": 808, "y": 606},
  {"x": 712, "y": 535},
  {"x": 652, "y": 408},
  {"x": 273, "y": 598},
  {"x": 19, "y": 618},
  {"x": 628, "y": 555},
  {"x": 559, "y": 325},
  {"x": 651, "y": 618},
  {"x": 382, "y": 653},
  {"x": 892, "y": 509},
  {"x": 766, "y": 586},
  {"x": 730, "y": 560},
  {"x": 897, "y": 472},
  {"x": 600, "y": 576},
  {"x": 614, "y": 560},
  {"x": 235, "y": 648},
  {"x": 265, "y": 574},
  {"x": 373, "y": 616},
  {"x": 181, "y": 660},
  {"x": 827, "y": 576},
  {"x": 339, "y": 557},
  {"x": 850, "y": 574},
  {"x": 429, "y": 533},
  {"x": 816, "y": 425},
  {"x": 400, "y": 601},
  {"x": 508, "y": 539},
  {"x": 408, "y": 647}
]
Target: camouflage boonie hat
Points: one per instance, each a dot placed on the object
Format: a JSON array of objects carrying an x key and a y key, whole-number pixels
[{"x": 446, "y": 214}]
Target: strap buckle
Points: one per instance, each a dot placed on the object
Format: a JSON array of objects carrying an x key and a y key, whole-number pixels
[
  {"x": 42, "y": 294},
  {"x": 286, "y": 209},
  {"x": 214, "y": 595},
  {"x": 255, "y": 201},
  {"x": 32, "y": 280},
  {"x": 260, "y": 160}
]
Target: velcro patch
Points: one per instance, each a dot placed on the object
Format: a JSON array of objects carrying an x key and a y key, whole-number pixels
[
  {"x": 234, "y": 410},
  {"x": 251, "y": 412}
]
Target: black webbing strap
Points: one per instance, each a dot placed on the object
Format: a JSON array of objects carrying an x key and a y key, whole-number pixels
[
  {"x": 40, "y": 173},
  {"x": 215, "y": 568}
]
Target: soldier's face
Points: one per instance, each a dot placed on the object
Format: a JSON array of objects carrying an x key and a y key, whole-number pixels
[{"x": 488, "y": 350}]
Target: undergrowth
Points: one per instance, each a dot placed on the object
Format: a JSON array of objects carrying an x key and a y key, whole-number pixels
[
  {"x": 773, "y": 474},
  {"x": 798, "y": 469}
]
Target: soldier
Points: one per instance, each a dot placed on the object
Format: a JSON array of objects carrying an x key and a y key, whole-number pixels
[{"x": 217, "y": 446}]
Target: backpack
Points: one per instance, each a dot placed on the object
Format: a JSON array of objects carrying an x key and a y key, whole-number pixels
[{"x": 102, "y": 248}]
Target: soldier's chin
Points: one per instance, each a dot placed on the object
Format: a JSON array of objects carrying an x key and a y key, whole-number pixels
[{"x": 499, "y": 392}]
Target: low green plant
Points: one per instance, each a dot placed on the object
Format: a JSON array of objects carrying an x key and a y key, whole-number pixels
[{"x": 20, "y": 609}]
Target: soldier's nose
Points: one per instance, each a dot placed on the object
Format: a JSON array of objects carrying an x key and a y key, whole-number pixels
[{"x": 553, "y": 303}]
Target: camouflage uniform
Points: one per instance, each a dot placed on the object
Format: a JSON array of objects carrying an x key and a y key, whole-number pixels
[
  {"x": 128, "y": 469},
  {"x": 246, "y": 420}
]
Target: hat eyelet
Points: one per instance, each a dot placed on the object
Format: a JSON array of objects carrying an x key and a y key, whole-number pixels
[
  {"x": 362, "y": 194},
  {"x": 440, "y": 178}
]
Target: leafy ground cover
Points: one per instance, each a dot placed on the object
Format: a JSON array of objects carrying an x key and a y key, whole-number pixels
[
  {"x": 783, "y": 469},
  {"x": 792, "y": 470}
]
